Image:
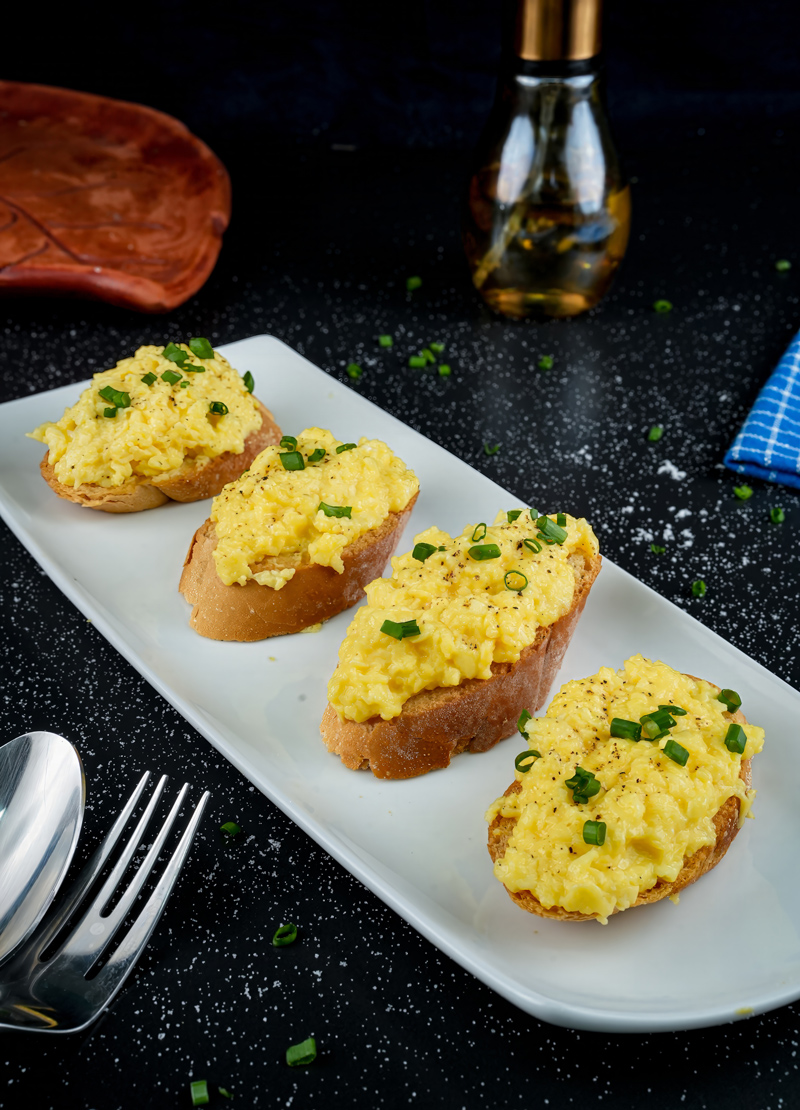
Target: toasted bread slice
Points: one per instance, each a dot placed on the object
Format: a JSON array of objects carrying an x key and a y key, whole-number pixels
[
  {"x": 315, "y": 593},
  {"x": 726, "y": 825},
  {"x": 435, "y": 725},
  {"x": 189, "y": 483}
]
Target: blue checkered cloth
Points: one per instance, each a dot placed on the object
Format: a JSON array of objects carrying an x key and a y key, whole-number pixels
[{"x": 768, "y": 445}]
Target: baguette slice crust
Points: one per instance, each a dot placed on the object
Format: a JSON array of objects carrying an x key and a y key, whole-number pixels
[
  {"x": 188, "y": 483},
  {"x": 315, "y": 593},
  {"x": 726, "y": 825},
  {"x": 437, "y": 724}
]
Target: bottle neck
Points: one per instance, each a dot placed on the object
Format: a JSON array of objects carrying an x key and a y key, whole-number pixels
[
  {"x": 561, "y": 67},
  {"x": 557, "y": 30}
]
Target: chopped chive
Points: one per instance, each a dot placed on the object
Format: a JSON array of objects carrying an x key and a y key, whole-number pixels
[
  {"x": 110, "y": 413},
  {"x": 317, "y": 454},
  {"x": 584, "y": 785},
  {"x": 561, "y": 520},
  {"x": 199, "y": 1092},
  {"x": 594, "y": 832},
  {"x": 353, "y": 370},
  {"x": 655, "y": 433},
  {"x": 549, "y": 531},
  {"x": 300, "y": 1055},
  {"x": 292, "y": 460},
  {"x": 662, "y": 306},
  {"x": 626, "y": 730},
  {"x": 230, "y": 829},
  {"x": 731, "y": 700},
  {"x": 345, "y": 447},
  {"x": 417, "y": 362},
  {"x": 437, "y": 348},
  {"x": 423, "y": 551},
  {"x": 201, "y": 347},
  {"x": 398, "y": 630},
  {"x": 218, "y": 408},
  {"x": 524, "y": 717},
  {"x": 525, "y": 760},
  {"x": 513, "y": 514},
  {"x": 656, "y": 724},
  {"x": 782, "y": 265},
  {"x": 444, "y": 370},
  {"x": 777, "y": 515},
  {"x": 482, "y": 552},
  {"x": 184, "y": 384},
  {"x": 487, "y": 450},
  {"x": 249, "y": 382},
  {"x": 287, "y": 934},
  {"x": 676, "y": 752},
  {"x": 289, "y": 443},
  {"x": 413, "y": 283},
  {"x": 516, "y": 577},
  {"x": 190, "y": 368},
  {"x": 428, "y": 355},
  {"x": 385, "y": 341},
  {"x": 744, "y": 493},
  {"x": 657, "y": 549},
  {"x": 224, "y": 1093},
  {"x": 735, "y": 739},
  {"x": 116, "y": 397},
  {"x": 532, "y": 545},
  {"x": 148, "y": 379},
  {"x": 171, "y": 377},
  {"x": 675, "y": 710},
  {"x": 335, "y": 510},
  {"x": 176, "y": 354},
  {"x": 545, "y": 362},
  {"x": 479, "y": 533},
  {"x": 698, "y": 588}
]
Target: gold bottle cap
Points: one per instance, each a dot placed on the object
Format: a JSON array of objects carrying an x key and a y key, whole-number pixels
[{"x": 557, "y": 30}]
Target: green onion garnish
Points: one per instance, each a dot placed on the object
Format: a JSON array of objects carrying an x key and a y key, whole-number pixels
[
  {"x": 524, "y": 717},
  {"x": 385, "y": 341},
  {"x": 698, "y": 588},
  {"x": 110, "y": 413},
  {"x": 594, "y": 832},
  {"x": 731, "y": 699},
  {"x": 655, "y": 433},
  {"x": 413, "y": 283},
  {"x": 437, "y": 348},
  {"x": 218, "y": 408},
  {"x": 230, "y": 829},
  {"x": 487, "y": 450},
  {"x": 561, "y": 520},
  {"x": 417, "y": 362},
  {"x": 171, "y": 377},
  {"x": 657, "y": 724},
  {"x": 657, "y": 550},
  {"x": 184, "y": 384},
  {"x": 345, "y": 447},
  {"x": 444, "y": 370},
  {"x": 662, "y": 306},
  {"x": 675, "y": 710},
  {"x": 744, "y": 493},
  {"x": 782, "y": 265},
  {"x": 676, "y": 752},
  {"x": 335, "y": 510},
  {"x": 735, "y": 739},
  {"x": 289, "y": 443},
  {"x": 479, "y": 533},
  {"x": 513, "y": 514},
  {"x": 116, "y": 397},
  {"x": 287, "y": 934},
  {"x": 224, "y": 1093},
  {"x": 292, "y": 460},
  {"x": 545, "y": 362},
  {"x": 176, "y": 354},
  {"x": 201, "y": 348},
  {"x": 550, "y": 531},
  {"x": 777, "y": 515},
  {"x": 518, "y": 581},
  {"x": 199, "y": 1092},
  {"x": 399, "y": 631},
  {"x": 626, "y": 730},
  {"x": 428, "y": 355},
  {"x": 249, "y": 382},
  {"x": 482, "y": 552},
  {"x": 148, "y": 379},
  {"x": 353, "y": 370},
  {"x": 423, "y": 551},
  {"x": 299, "y": 1055},
  {"x": 317, "y": 454},
  {"x": 584, "y": 785},
  {"x": 532, "y": 545},
  {"x": 525, "y": 760}
]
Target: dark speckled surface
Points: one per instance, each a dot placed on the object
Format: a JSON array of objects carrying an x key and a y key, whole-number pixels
[{"x": 318, "y": 256}]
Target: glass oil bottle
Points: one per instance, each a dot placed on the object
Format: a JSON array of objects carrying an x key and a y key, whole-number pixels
[{"x": 547, "y": 216}]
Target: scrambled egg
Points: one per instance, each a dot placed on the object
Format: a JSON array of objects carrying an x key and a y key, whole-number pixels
[
  {"x": 471, "y": 612},
  {"x": 272, "y": 512},
  {"x": 166, "y": 422},
  {"x": 657, "y": 813}
]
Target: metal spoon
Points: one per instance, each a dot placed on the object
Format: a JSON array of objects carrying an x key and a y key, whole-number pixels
[{"x": 42, "y": 796}]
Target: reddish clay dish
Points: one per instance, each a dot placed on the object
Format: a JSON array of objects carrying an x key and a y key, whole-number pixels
[{"x": 104, "y": 199}]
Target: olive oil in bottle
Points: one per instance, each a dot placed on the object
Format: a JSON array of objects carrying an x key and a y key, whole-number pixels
[{"x": 548, "y": 213}]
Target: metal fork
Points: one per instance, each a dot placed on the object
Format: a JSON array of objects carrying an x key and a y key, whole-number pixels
[{"x": 54, "y": 994}]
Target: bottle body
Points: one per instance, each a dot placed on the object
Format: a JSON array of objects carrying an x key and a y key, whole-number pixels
[{"x": 547, "y": 216}]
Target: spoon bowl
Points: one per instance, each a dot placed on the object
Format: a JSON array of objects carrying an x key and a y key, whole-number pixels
[{"x": 42, "y": 798}]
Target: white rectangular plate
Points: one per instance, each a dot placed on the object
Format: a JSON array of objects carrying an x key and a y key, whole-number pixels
[{"x": 730, "y": 949}]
